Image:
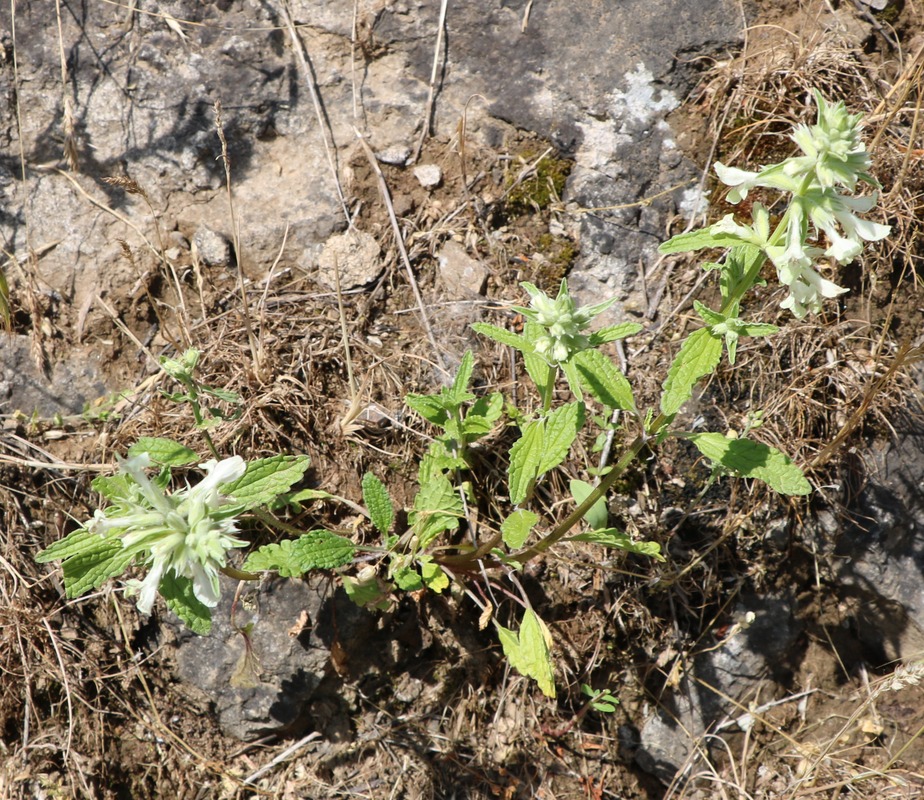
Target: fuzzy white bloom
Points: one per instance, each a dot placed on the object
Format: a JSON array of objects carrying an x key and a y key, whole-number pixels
[
  {"x": 186, "y": 532},
  {"x": 833, "y": 157},
  {"x": 563, "y": 321}
]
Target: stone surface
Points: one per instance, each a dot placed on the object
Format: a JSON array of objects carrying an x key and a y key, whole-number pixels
[
  {"x": 64, "y": 389},
  {"x": 761, "y": 652},
  {"x": 428, "y": 175},
  {"x": 461, "y": 274},
  {"x": 212, "y": 248},
  {"x": 296, "y": 623},
  {"x": 355, "y": 255}
]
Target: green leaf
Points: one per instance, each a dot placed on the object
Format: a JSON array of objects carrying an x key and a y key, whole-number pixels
[
  {"x": 753, "y": 460},
  {"x": 611, "y": 537},
  {"x": 516, "y": 528},
  {"x": 430, "y": 407},
  {"x": 573, "y": 377},
  {"x": 437, "y": 508},
  {"x": 599, "y": 514},
  {"x": 266, "y": 479},
  {"x": 561, "y": 429},
  {"x": 80, "y": 541},
  {"x": 407, "y": 579},
  {"x": 433, "y": 575},
  {"x": 530, "y": 651},
  {"x": 164, "y": 451},
  {"x": 114, "y": 487},
  {"x": 221, "y": 394},
  {"x": 603, "y": 700},
  {"x": 378, "y": 503},
  {"x": 490, "y": 407},
  {"x": 501, "y": 335},
  {"x": 366, "y": 593},
  {"x": 178, "y": 593},
  {"x": 317, "y": 549},
  {"x": 698, "y": 357},
  {"x": 459, "y": 393},
  {"x": 525, "y": 457},
  {"x": 536, "y": 366},
  {"x": 600, "y": 376},
  {"x": 614, "y": 332},
  {"x": 92, "y": 567},
  {"x": 697, "y": 240}
]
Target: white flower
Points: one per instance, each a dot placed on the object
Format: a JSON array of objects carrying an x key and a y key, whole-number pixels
[
  {"x": 562, "y": 320},
  {"x": 187, "y": 532}
]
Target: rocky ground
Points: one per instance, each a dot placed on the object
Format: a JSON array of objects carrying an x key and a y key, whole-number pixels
[{"x": 216, "y": 175}]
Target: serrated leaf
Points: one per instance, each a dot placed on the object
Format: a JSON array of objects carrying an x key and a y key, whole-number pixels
[
  {"x": 437, "y": 508},
  {"x": 317, "y": 549},
  {"x": 698, "y": 240},
  {"x": 490, "y": 407},
  {"x": 378, "y": 503},
  {"x": 536, "y": 367},
  {"x": 525, "y": 457},
  {"x": 614, "y": 332},
  {"x": 600, "y": 376},
  {"x": 611, "y": 537},
  {"x": 73, "y": 544},
  {"x": 529, "y": 651},
  {"x": 753, "y": 460},
  {"x": 433, "y": 575},
  {"x": 698, "y": 357},
  {"x": 516, "y": 528},
  {"x": 91, "y": 568},
  {"x": 561, "y": 429},
  {"x": 221, "y": 394},
  {"x": 163, "y": 451},
  {"x": 458, "y": 392},
  {"x": 114, "y": 487},
  {"x": 598, "y": 515},
  {"x": 266, "y": 479},
  {"x": 501, "y": 335},
  {"x": 177, "y": 592},
  {"x": 430, "y": 407}
]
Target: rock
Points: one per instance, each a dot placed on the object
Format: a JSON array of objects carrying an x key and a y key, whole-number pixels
[
  {"x": 397, "y": 156},
  {"x": 355, "y": 254},
  {"x": 761, "y": 651},
  {"x": 296, "y": 624},
  {"x": 461, "y": 274},
  {"x": 428, "y": 175},
  {"x": 66, "y": 388},
  {"x": 211, "y": 248}
]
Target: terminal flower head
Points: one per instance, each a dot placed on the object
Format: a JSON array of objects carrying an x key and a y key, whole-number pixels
[
  {"x": 562, "y": 320},
  {"x": 187, "y": 532}
]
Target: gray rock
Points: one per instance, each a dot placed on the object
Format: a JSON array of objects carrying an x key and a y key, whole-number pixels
[
  {"x": 428, "y": 175},
  {"x": 761, "y": 651},
  {"x": 211, "y": 248},
  {"x": 267, "y": 688},
  {"x": 355, "y": 255},
  {"x": 65, "y": 388},
  {"x": 461, "y": 274}
]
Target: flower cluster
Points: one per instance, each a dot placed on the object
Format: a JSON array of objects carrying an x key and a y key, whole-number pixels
[
  {"x": 187, "y": 532},
  {"x": 562, "y": 321},
  {"x": 834, "y": 157}
]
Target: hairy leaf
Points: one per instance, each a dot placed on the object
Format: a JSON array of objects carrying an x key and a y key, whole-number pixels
[
  {"x": 429, "y": 406},
  {"x": 698, "y": 240},
  {"x": 611, "y": 537},
  {"x": 92, "y": 567},
  {"x": 178, "y": 593},
  {"x": 561, "y": 429},
  {"x": 600, "y": 376},
  {"x": 529, "y": 651},
  {"x": 525, "y": 457},
  {"x": 266, "y": 479},
  {"x": 614, "y": 332},
  {"x": 753, "y": 460},
  {"x": 437, "y": 508},
  {"x": 698, "y": 357},
  {"x": 516, "y": 528},
  {"x": 599, "y": 514},
  {"x": 317, "y": 549},
  {"x": 164, "y": 451},
  {"x": 501, "y": 335},
  {"x": 378, "y": 503}
]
